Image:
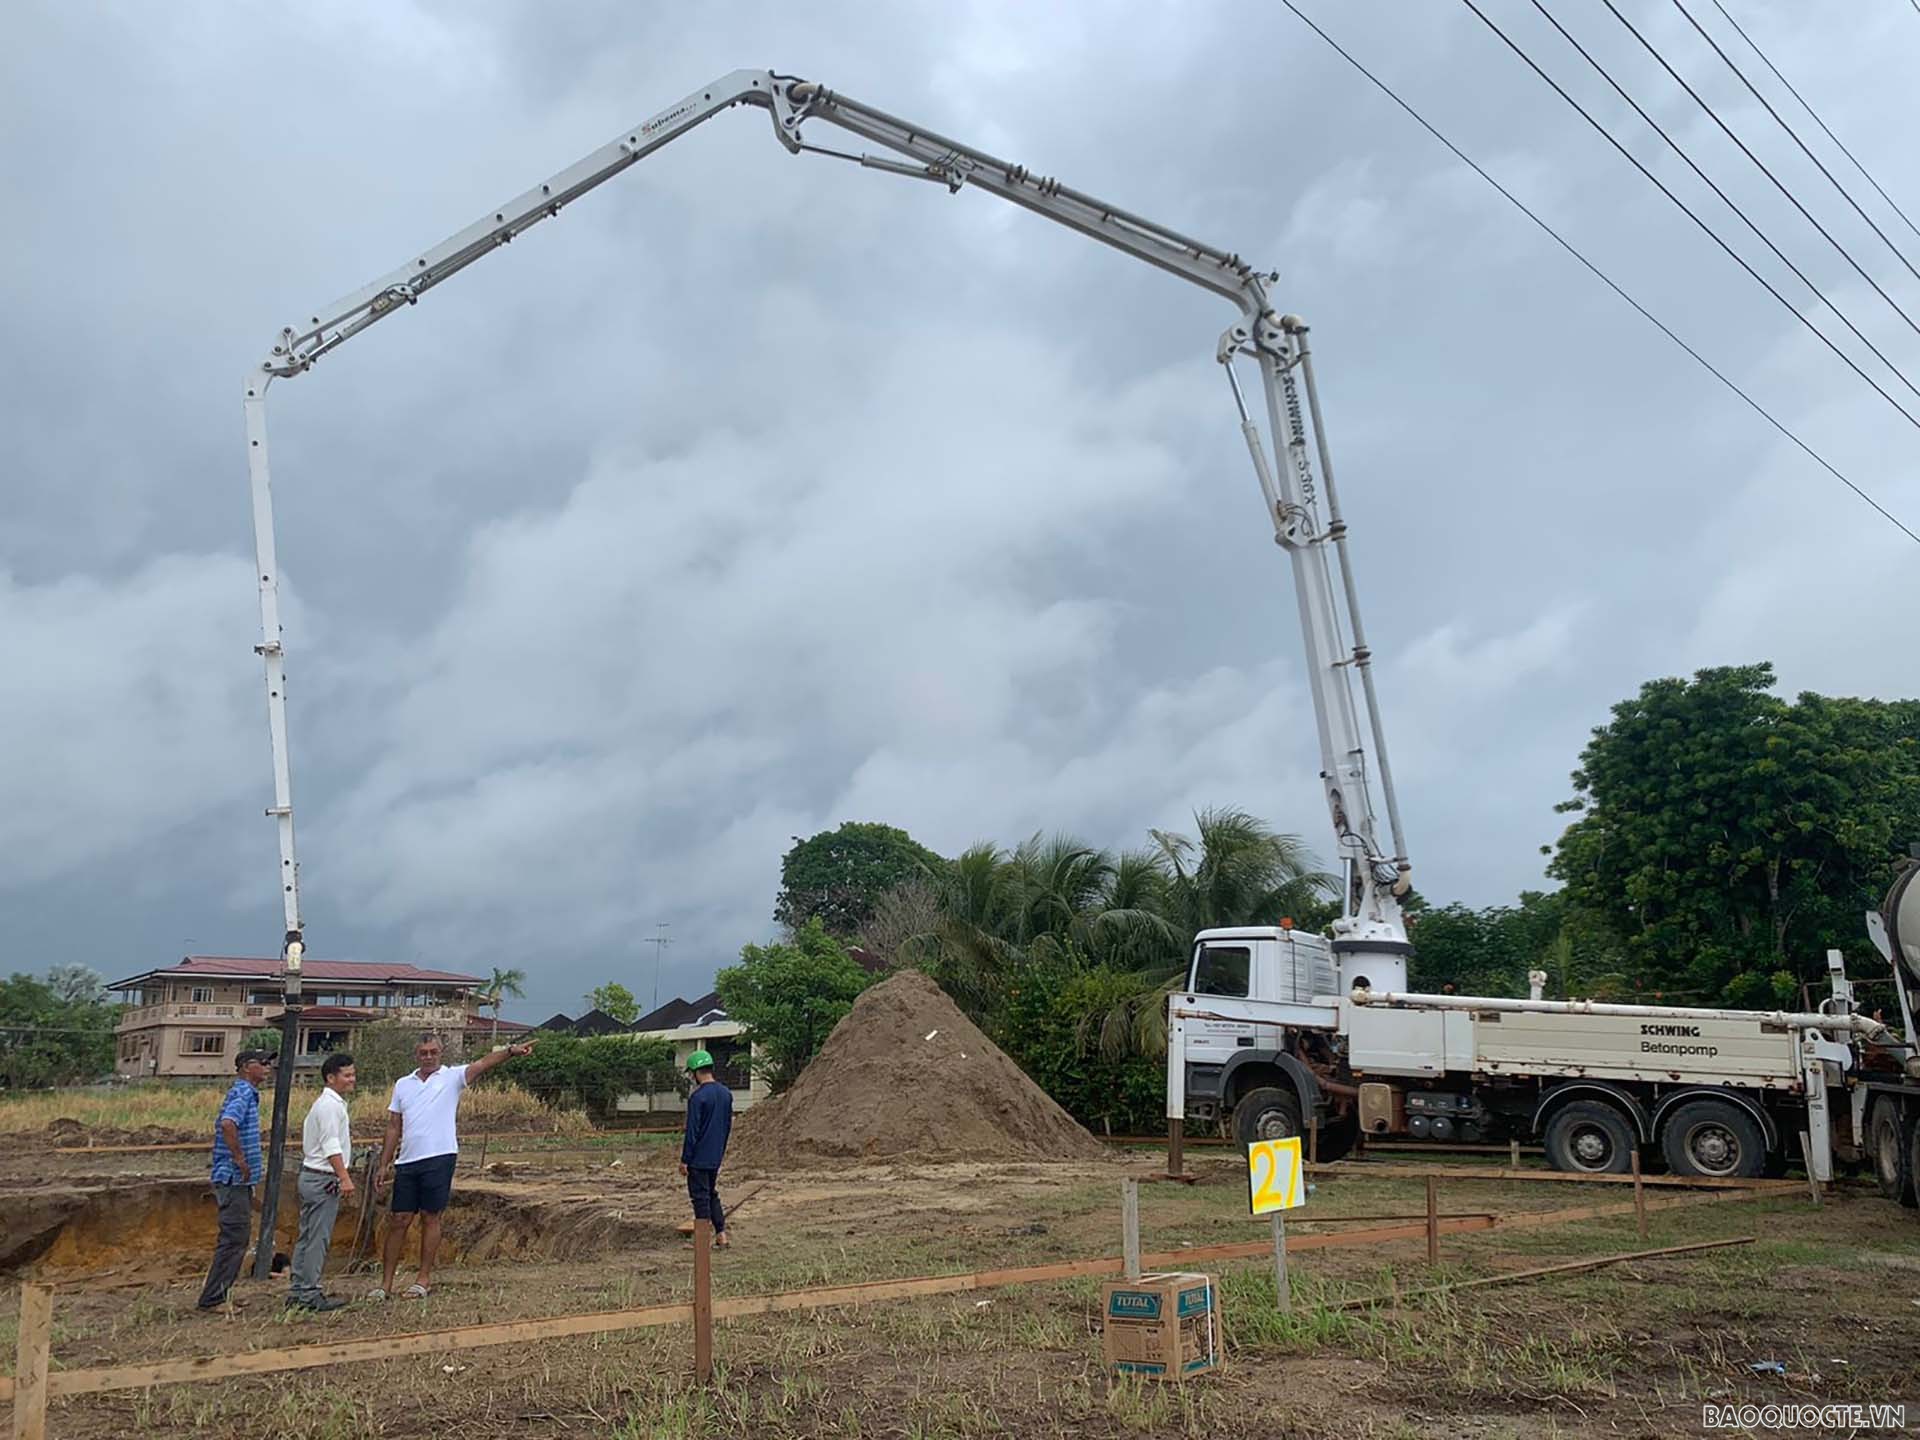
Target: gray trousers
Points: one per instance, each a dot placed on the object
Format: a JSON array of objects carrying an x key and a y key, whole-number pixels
[
  {"x": 319, "y": 1208},
  {"x": 230, "y": 1250}
]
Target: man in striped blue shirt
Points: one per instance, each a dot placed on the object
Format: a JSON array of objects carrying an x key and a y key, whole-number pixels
[{"x": 237, "y": 1168}]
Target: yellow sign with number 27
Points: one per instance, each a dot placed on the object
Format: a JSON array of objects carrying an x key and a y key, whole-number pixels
[{"x": 1274, "y": 1178}]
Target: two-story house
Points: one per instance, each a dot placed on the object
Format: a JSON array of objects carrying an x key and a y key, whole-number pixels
[{"x": 188, "y": 1020}]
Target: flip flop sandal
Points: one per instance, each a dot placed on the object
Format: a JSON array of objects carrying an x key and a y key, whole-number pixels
[{"x": 414, "y": 1292}]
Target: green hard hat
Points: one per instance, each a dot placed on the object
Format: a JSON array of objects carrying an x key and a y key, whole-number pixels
[{"x": 699, "y": 1060}]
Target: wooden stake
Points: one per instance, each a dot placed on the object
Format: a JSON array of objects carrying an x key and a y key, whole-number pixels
[
  {"x": 1433, "y": 1221},
  {"x": 1806, "y": 1155},
  {"x": 1176, "y": 1140},
  {"x": 1513, "y": 1152},
  {"x": 32, "y": 1364},
  {"x": 1639, "y": 1194},
  {"x": 702, "y": 1301},
  {"x": 1398, "y": 1294},
  {"x": 1130, "y": 1227},
  {"x": 1281, "y": 1288}
]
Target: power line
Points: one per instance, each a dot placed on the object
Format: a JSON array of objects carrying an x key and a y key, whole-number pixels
[
  {"x": 1754, "y": 46},
  {"x": 1793, "y": 199},
  {"x": 1761, "y": 235},
  {"x": 1689, "y": 212},
  {"x": 1794, "y": 135},
  {"x": 1600, "y": 274}
]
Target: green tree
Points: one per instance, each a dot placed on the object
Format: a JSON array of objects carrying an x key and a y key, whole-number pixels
[
  {"x": 616, "y": 1000},
  {"x": 836, "y": 876},
  {"x": 789, "y": 997},
  {"x": 54, "y": 1033},
  {"x": 504, "y": 985},
  {"x": 1234, "y": 870},
  {"x": 593, "y": 1072},
  {"x": 267, "y": 1038},
  {"x": 1728, "y": 838}
]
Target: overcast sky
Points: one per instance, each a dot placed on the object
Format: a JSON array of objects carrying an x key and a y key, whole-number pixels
[{"x": 759, "y": 492}]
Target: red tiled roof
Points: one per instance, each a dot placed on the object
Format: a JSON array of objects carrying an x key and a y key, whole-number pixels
[
  {"x": 333, "y": 1012},
  {"x": 242, "y": 967},
  {"x": 483, "y": 1024}
]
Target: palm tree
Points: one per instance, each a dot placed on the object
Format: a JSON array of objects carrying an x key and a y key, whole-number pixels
[
  {"x": 1238, "y": 871},
  {"x": 504, "y": 984}
]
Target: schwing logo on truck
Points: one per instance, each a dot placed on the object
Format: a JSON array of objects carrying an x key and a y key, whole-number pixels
[{"x": 1656, "y": 1047}]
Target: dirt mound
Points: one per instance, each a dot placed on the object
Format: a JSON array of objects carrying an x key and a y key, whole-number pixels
[
  {"x": 67, "y": 1133},
  {"x": 906, "y": 1076}
]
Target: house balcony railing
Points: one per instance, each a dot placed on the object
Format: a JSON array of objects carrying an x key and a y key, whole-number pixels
[{"x": 226, "y": 1013}]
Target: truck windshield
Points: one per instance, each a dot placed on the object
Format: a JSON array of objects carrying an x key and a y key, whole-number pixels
[{"x": 1222, "y": 970}]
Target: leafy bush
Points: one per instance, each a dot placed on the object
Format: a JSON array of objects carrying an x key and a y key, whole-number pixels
[
  {"x": 592, "y": 1072},
  {"x": 1049, "y": 1025}
]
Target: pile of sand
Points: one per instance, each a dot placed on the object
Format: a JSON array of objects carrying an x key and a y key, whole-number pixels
[{"x": 906, "y": 1076}]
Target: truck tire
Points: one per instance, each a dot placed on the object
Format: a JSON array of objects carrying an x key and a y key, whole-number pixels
[
  {"x": 1590, "y": 1136},
  {"x": 1337, "y": 1140},
  {"x": 1266, "y": 1114},
  {"x": 1892, "y": 1145},
  {"x": 1913, "y": 1161},
  {"x": 1713, "y": 1139}
]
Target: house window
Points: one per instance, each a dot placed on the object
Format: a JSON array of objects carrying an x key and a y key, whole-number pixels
[
  {"x": 324, "y": 1042},
  {"x": 1222, "y": 970},
  {"x": 263, "y": 997},
  {"x": 201, "y": 995},
  {"x": 206, "y": 1043}
]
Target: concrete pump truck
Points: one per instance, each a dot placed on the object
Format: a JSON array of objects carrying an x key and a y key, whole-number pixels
[{"x": 1274, "y": 1030}]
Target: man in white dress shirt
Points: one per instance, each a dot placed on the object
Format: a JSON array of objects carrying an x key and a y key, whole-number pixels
[{"x": 326, "y": 1176}]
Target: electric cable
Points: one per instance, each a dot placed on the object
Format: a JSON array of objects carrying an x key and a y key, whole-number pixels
[{"x": 1599, "y": 274}]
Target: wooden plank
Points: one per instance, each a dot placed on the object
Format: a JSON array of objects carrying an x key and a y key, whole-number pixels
[
  {"x": 685, "y": 1227},
  {"x": 351, "y": 1352},
  {"x": 1366, "y": 1170},
  {"x": 260, "y": 1362},
  {"x": 1510, "y": 1276},
  {"x": 702, "y": 1301},
  {"x": 33, "y": 1362}
]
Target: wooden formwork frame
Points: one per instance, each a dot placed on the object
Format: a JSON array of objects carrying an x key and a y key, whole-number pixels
[{"x": 35, "y": 1382}]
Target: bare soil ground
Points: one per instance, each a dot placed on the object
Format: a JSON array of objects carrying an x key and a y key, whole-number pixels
[{"x": 1629, "y": 1351}]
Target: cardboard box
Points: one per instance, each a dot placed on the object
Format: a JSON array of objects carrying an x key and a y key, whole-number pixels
[{"x": 1164, "y": 1326}]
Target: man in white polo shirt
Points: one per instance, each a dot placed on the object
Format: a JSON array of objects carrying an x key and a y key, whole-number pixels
[
  {"x": 326, "y": 1177},
  {"x": 418, "y": 1156}
]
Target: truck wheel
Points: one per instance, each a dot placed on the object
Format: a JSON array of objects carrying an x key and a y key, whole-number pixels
[
  {"x": 1893, "y": 1151},
  {"x": 1913, "y": 1161},
  {"x": 1266, "y": 1114},
  {"x": 1590, "y": 1136},
  {"x": 1337, "y": 1140},
  {"x": 1714, "y": 1140}
]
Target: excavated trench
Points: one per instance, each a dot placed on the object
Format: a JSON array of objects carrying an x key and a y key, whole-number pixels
[{"x": 154, "y": 1229}]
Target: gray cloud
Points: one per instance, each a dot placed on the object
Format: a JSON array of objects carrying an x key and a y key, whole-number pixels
[{"x": 757, "y": 493}]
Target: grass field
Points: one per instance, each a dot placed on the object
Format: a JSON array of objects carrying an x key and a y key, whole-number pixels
[
  {"x": 189, "y": 1109},
  {"x": 1625, "y": 1352}
]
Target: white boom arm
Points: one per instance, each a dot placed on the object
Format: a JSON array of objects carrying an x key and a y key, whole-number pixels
[{"x": 1304, "y": 512}]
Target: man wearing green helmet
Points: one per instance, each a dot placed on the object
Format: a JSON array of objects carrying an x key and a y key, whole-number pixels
[{"x": 709, "y": 1123}]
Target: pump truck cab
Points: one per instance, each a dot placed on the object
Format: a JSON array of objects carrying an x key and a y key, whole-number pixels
[{"x": 1279, "y": 1033}]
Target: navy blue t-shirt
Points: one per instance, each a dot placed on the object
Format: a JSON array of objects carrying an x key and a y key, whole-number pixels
[{"x": 709, "y": 1122}]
